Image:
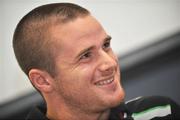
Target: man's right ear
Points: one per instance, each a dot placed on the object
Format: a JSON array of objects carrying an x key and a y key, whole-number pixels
[{"x": 41, "y": 80}]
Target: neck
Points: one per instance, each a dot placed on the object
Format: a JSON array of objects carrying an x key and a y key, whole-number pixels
[
  {"x": 56, "y": 111},
  {"x": 64, "y": 114}
]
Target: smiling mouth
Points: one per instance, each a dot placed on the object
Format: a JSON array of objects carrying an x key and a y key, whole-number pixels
[{"x": 104, "y": 82}]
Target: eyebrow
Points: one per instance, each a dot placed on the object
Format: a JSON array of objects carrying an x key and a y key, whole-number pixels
[
  {"x": 84, "y": 51},
  {"x": 108, "y": 38}
]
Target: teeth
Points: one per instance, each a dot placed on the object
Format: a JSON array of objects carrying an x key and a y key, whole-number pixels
[{"x": 105, "y": 82}]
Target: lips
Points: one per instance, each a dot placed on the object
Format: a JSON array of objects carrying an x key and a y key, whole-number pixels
[{"x": 104, "y": 82}]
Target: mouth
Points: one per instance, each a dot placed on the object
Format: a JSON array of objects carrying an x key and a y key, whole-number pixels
[{"x": 104, "y": 82}]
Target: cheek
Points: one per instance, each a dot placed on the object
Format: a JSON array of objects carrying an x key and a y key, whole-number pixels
[
  {"x": 114, "y": 56},
  {"x": 76, "y": 82},
  {"x": 86, "y": 72},
  {"x": 78, "y": 77}
]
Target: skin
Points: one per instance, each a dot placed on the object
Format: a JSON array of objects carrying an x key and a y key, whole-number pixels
[{"x": 83, "y": 60}]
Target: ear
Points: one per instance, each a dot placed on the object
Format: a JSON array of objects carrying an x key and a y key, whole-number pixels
[{"x": 41, "y": 80}]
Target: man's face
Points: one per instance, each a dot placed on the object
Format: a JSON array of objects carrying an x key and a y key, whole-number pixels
[{"x": 87, "y": 69}]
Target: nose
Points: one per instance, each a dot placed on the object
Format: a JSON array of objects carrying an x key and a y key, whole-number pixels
[{"x": 108, "y": 63}]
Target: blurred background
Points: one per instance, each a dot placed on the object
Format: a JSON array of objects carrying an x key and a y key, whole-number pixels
[{"x": 146, "y": 37}]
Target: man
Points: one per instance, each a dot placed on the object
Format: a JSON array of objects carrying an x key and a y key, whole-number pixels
[{"x": 66, "y": 54}]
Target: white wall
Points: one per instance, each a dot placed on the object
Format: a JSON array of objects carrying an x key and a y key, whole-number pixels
[{"x": 131, "y": 23}]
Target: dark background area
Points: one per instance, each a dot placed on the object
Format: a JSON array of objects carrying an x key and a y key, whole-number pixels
[{"x": 151, "y": 70}]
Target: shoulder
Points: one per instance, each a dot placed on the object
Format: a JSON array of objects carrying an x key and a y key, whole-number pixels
[{"x": 152, "y": 107}]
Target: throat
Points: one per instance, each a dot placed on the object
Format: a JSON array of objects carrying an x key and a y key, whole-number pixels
[{"x": 69, "y": 115}]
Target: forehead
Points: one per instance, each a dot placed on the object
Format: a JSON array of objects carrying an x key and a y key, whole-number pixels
[{"x": 78, "y": 34}]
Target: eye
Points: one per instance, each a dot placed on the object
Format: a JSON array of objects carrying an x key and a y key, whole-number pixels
[
  {"x": 106, "y": 45},
  {"x": 86, "y": 55}
]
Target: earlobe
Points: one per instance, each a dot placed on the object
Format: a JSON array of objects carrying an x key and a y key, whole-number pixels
[{"x": 40, "y": 79}]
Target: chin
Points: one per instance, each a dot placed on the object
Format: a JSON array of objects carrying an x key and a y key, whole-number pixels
[
  {"x": 119, "y": 99},
  {"x": 116, "y": 99}
]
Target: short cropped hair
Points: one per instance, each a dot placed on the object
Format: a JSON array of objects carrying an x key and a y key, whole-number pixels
[{"x": 31, "y": 43}]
